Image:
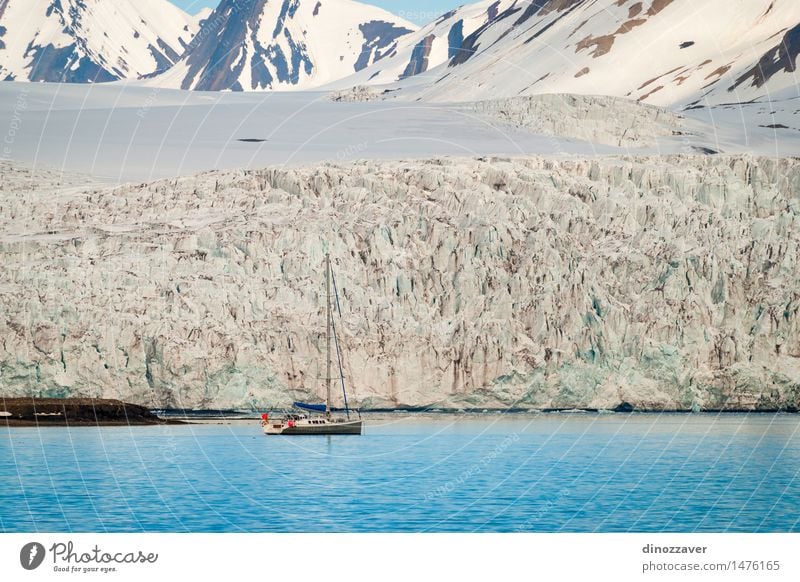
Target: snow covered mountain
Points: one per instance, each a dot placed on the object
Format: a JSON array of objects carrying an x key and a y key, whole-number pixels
[
  {"x": 284, "y": 44},
  {"x": 663, "y": 52},
  {"x": 81, "y": 41},
  {"x": 430, "y": 46}
]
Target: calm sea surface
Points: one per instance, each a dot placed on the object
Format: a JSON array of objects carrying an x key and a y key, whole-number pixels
[{"x": 504, "y": 473}]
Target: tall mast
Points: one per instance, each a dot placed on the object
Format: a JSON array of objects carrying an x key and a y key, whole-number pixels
[
  {"x": 328, "y": 334},
  {"x": 336, "y": 342}
]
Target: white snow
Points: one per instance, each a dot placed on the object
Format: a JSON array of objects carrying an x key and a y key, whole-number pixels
[
  {"x": 203, "y": 13},
  {"x": 121, "y": 132},
  {"x": 128, "y": 132},
  {"x": 563, "y": 51},
  {"x": 391, "y": 68},
  {"x": 114, "y": 34},
  {"x": 331, "y": 38}
]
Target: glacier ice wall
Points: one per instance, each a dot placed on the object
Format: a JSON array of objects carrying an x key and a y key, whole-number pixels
[{"x": 664, "y": 282}]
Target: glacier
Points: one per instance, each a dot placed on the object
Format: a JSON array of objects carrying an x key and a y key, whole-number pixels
[
  {"x": 124, "y": 132},
  {"x": 659, "y": 282}
]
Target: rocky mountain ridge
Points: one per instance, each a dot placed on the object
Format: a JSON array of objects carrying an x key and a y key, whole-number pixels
[
  {"x": 255, "y": 45},
  {"x": 671, "y": 53},
  {"x": 90, "y": 41}
]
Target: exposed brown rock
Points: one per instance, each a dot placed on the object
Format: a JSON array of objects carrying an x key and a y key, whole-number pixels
[
  {"x": 719, "y": 71},
  {"x": 657, "y": 6},
  {"x": 604, "y": 43},
  {"x": 651, "y": 92},
  {"x": 654, "y": 79},
  {"x": 634, "y": 10}
]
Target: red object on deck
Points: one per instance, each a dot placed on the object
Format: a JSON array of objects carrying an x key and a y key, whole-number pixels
[
  {"x": 291, "y": 424},
  {"x": 265, "y": 416}
]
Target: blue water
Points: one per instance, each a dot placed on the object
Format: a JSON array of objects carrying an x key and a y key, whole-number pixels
[{"x": 548, "y": 473}]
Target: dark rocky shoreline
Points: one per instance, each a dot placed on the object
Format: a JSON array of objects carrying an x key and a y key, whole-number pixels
[
  {"x": 76, "y": 412},
  {"x": 787, "y": 410},
  {"x": 621, "y": 409},
  {"x": 42, "y": 412}
]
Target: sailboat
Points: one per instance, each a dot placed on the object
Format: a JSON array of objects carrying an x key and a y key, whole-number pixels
[{"x": 319, "y": 418}]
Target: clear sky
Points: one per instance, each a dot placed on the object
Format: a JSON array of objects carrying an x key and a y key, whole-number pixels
[{"x": 417, "y": 11}]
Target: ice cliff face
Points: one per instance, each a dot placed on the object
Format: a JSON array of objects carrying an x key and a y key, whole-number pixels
[
  {"x": 593, "y": 118},
  {"x": 666, "y": 282}
]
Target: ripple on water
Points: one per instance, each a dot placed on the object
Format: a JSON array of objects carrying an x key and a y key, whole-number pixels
[{"x": 441, "y": 473}]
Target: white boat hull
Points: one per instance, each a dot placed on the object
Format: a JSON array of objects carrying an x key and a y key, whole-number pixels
[{"x": 302, "y": 427}]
